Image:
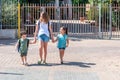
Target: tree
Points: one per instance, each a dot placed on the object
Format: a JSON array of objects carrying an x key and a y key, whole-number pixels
[
  {"x": 34, "y": 1},
  {"x": 9, "y": 13},
  {"x": 79, "y": 1}
]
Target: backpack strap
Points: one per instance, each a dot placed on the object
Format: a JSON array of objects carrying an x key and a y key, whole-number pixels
[
  {"x": 38, "y": 24},
  {"x": 27, "y": 42},
  {"x": 49, "y": 29},
  {"x": 48, "y": 26},
  {"x": 18, "y": 45},
  {"x": 19, "y": 42}
]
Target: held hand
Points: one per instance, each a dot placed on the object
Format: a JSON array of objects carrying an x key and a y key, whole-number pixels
[
  {"x": 34, "y": 41},
  {"x": 53, "y": 40}
]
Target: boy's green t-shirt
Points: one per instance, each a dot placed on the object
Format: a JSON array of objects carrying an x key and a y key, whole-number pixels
[{"x": 23, "y": 45}]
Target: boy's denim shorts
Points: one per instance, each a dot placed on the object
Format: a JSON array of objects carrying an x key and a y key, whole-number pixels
[
  {"x": 43, "y": 38},
  {"x": 23, "y": 54}
]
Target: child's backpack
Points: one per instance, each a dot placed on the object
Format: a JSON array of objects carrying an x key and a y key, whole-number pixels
[
  {"x": 48, "y": 28},
  {"x": 19, "y": 42}
]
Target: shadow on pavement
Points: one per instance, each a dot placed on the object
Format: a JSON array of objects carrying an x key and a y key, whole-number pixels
[
  {"x": 4, "y": 42},
  {"x": 80, "y": 64},
  {"x": 10, "y": 73},
  {"x": 39, "y": 65},
  {"x": 75, "y": 38}
]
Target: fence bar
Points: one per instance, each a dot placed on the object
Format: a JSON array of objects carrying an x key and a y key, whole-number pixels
[
  {"x": 0, "y": 14},
  {"x": 118, "y": 23},
  {"x": 110, "y": 23},
  {"x": 100, "y": 35}
]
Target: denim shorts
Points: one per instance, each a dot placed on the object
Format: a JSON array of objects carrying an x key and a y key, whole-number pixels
[
  {"x": 43, "y": 38},
  {"x": 62, "y": 48},
  {"x": 23, "y": 54}
]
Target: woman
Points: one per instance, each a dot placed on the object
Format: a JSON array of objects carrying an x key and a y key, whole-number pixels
[{"x": 44, "y": 32}]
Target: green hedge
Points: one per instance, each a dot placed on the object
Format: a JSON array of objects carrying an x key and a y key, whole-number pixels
[{"x": 9, "y": 14}]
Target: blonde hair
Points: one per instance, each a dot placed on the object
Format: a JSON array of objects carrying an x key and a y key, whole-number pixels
[{"x": 44, "y": 17}]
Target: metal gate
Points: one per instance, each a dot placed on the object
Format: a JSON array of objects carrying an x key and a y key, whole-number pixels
[{"x": 83, "y": 21}]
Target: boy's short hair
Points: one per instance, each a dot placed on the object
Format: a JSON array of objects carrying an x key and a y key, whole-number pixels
[{"x": 23, "y": 33}]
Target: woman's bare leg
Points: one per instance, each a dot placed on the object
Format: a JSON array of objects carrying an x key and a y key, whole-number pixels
[
  {"x": 45, "y": 51},
  {"x": 41, "y": 45}
]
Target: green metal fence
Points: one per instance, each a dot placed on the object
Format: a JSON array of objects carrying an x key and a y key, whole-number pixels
[{"x": 83, "y": 21}]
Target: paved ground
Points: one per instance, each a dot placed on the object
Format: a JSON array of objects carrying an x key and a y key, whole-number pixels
[{"x": 84, "y": 60}]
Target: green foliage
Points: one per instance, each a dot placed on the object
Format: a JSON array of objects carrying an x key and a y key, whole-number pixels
[
  {"x": 80, "y": 10},
  {"x": 9, "y": 13},
  {"x": 34, "y": 1},
  {"x": 92, "y": 14},
  {"x": 30, "y": 1},
  {"x": 115, "y": 18},
  {"x": 102, "y": 1},
  {"x": 106, "y": 15},
  {"x": 79, "y": 1}
]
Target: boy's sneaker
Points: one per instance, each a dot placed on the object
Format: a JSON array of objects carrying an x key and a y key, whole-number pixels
[{"x": 39, "y": 62}]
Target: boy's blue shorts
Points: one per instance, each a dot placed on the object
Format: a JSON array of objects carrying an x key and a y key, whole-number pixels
[
  {"x": 23, "y": 54},
  {"x": 43, "y": 38}
]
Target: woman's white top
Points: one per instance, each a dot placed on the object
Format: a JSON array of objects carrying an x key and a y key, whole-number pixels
[{"x": 43, "y": 28}]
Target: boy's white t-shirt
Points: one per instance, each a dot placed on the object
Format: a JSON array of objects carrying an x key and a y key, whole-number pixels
[{"x": 43, "y": 28}]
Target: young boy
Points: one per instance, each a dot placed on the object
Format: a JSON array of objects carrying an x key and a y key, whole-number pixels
[{"x": 22, "y": 45}]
